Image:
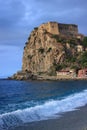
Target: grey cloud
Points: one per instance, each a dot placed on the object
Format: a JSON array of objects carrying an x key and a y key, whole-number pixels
[
  {"x": 56, "y": 8},
  {"x": 19, "y": 17},
  {"x": 10, "y": 12}
]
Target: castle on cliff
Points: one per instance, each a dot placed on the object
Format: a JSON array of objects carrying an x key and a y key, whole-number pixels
[
  {"x": 61, "y": 29},
  {"x": 50, "y": 48}
]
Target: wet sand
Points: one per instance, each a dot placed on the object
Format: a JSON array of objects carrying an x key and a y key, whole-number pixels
[{"x": 75, "y": 120}]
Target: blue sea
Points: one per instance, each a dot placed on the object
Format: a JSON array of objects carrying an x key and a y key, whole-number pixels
[{"x": 23, "y": 102}]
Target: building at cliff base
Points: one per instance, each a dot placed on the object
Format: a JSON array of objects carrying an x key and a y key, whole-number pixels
[{"x": 82, "y": 73}]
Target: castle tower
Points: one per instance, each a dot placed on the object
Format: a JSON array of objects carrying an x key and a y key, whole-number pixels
[{"x": 53, "y": 28}]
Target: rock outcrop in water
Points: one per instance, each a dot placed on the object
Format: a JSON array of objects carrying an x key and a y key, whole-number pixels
[{"x": 51, "y": 47}]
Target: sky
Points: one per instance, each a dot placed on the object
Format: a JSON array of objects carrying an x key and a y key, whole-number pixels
[{"x": 19, "y": 17}]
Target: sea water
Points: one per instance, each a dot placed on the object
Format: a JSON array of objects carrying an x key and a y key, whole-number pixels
[{"x": 29, "y": 101}]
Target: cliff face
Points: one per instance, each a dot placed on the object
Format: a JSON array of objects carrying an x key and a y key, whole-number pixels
[
  {"x": 41, "y": 51},
  {"x": 47, "y": 52},
  {"x": 44, "y": 52}
]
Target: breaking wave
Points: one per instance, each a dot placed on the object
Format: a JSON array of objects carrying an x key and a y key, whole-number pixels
[{"x": 49, "y": 109}]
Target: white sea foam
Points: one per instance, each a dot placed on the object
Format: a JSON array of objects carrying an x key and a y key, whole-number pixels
[{"x": 49, "y": 109}]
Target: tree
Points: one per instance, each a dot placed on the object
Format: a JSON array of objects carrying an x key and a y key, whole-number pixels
[
  {"x": 85, "y": 42},
  {"x": 83, "y": 59}
]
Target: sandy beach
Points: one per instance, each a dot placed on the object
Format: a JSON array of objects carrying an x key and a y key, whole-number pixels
[{"x": 75, "y": 120}]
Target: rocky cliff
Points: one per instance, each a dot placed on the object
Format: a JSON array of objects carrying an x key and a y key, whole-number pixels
[{"x": 46, "y": 53}]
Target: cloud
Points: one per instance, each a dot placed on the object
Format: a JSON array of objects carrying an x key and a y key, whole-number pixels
[
  {"x": 11, "y": 15},
  {"x": 11, "y": 12},
  {"x": 19, "y": 17},
  {"x": 10, "y": 60},
  {"x": 65, "y": 11}
]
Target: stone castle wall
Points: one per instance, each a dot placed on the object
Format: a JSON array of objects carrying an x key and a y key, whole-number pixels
[
  {"x": 59, "y": 28},
  {"x": 68, "y": 29},
  {"x": 51, "y": 27}
]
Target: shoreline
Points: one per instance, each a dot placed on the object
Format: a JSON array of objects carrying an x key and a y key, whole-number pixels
[
  {"x": 48, "y": 79},
  {"x": 74, "y": 120}
]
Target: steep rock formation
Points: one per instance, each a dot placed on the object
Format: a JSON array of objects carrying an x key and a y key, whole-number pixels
[
  {"x": 41, "y": 51},
  {"x": 45, "y": 52}
]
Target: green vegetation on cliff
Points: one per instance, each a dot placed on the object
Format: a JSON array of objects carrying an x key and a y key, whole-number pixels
[
  {"x": 83, "y": 59},
  {"x": 57, "y": 53},
  {"x": 47, "y": 52},
  {"x": 85, "y": 42}
]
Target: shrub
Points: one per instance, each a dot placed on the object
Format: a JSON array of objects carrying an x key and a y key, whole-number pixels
[
  {"x": 49, "y": 49},
  {"x": 52, "y": 71},
  {"x": 41, "y": 50},
  {"x": 26, "y": 43},
  {"x": 56, "y": 37},
  {"x": 71, "y": 59},
  {"x": 85, "y": 42},
  {"x": 58, "y": 66},
  {"x": 72, "y": 41},
  {"x": 28, "y": 38},
  {"x": 74, "y": 67},
  {"x": 35, "y": 28},
  {"x": 83, "y": 59},
  {"x": 29, "y": 56}
]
